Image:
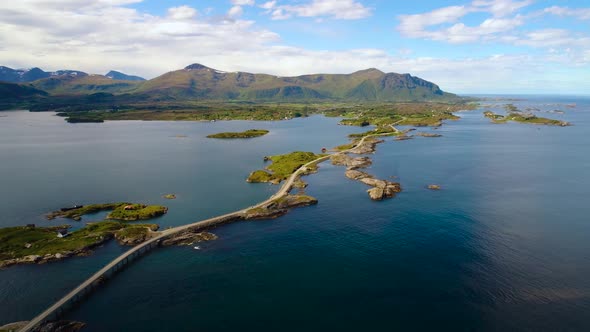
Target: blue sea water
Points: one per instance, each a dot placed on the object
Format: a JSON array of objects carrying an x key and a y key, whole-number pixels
[{"x": 502, "y": 247}]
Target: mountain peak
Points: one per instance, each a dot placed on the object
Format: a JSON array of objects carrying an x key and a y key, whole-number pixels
[
  {"x": 119, "y": 76},
  {"x": 196, "y": 66},
  {"x": 371, "y": 70}
]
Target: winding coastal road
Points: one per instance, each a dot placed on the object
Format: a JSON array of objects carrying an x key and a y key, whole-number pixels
[{"x": 283, "y": 191}]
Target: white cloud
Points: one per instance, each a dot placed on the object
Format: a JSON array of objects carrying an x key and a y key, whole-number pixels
[
  {"x": 243, "y": 2},
  {"x": 268, "y": 5},
  {"x": 500, "y": 8},
  {"x": 182, "y": 13},
  {"x": 419, "y": 25},
  {"x": 235, "y": 11},
  {"x": 98, "y": 35},
  {"x": 580, "y": 13},
  {"x": 338, "y": 9}
]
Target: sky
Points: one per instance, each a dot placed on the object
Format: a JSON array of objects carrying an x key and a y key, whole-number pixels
[{"x": 466, "y": 47}]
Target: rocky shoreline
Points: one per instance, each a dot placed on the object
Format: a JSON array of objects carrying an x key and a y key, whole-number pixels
[
  {"x": 279, "y": 207},
  {"x": 54, "y": 326},
  {"x": 382, "y": 189}
]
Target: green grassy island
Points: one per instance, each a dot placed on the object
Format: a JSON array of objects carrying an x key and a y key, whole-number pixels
[
  {"x": 132, "y": 212},
  {"x": 518, "y": 116},
  {"x": 283, "y": 166},
  {"x": 30, "y": 244},
  {"x": 245, "y": 134},
  {"x": 121, "y": 211}
]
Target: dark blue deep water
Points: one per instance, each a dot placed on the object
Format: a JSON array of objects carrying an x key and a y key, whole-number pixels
[{"x": 504, "y": 245}]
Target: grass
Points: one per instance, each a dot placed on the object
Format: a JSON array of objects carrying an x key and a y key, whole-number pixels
[
  {"x": 344, "y": 147},
  {"x": 518, "y": 116},
  {"x": 381, "y": 130},
  {"x": 283, "y": 166},
  {"x": 260, "y": 176},
  {"x": 245, "y": 134},
  {"x": 132, "y": 212},
  {"x": 76, "y": 214},
  {"x": 357, "y": 114},
  {"x": 43, "y": 240}
]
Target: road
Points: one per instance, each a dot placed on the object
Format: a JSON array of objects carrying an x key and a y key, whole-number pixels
[{"x": 283, "y": 191}]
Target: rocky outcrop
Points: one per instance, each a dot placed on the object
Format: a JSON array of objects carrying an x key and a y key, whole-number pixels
[
  {"x": 47, "y": 258},
  {"x": 188, "y": 238},
  {"x": 279, "y": 207},
  {"x": 61, "y": 326},
  {"x": 55, "y": 326},
  {"x": 134, "y": 236},
  {"x": 434, "y": 187},
  {"x": 352, "y": 163},
  {"x": 382, "y": 188},
  {"x": 354, "y": 174},
  {"x": 368, "y": 146}
]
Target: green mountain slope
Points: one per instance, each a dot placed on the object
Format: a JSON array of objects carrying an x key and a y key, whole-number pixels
[
  {"x": 69, "y": 84},
  {"x": 199, "y": 82}
]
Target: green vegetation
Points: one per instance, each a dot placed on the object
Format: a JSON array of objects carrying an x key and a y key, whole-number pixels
[
  {"x": 344, "y": 147},
  {"x": 260, "y": 176},
  {"x": 76, "y": 214},
  {"x": 283, "y": 166},
  {"x": 132, "y": 212},
  {"x": 403, "y": 114},
  {"x": 18, "y": 242},
  {"x": 381, "y": 130},
  {"x": 518, "y": 116},
  {"x": 121, "y": 211},
  {"x": 245, "y": 134}
]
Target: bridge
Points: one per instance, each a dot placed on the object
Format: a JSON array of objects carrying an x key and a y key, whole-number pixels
[{"x": 58, "y": 308}]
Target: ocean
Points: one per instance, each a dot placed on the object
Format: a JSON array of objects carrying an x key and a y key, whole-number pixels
[{"x": 503, "y": 245}]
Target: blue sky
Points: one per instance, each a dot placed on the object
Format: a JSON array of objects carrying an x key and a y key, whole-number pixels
[{"x": 477, "y": 46}]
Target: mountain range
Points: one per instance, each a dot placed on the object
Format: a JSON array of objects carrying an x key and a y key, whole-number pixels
[
  {"x": 198, "y": 82},
  {"x": 10, "y": 75}
]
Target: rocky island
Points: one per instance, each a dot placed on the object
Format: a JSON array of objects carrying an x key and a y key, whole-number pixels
[
  {"x": 516, "y": 115},
  {"x": 279, "y": 207},
  {"x": 120, "y": 211},
  {"x": 245, "y": 134}
]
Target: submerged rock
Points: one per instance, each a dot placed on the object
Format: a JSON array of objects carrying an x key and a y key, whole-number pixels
[{"x": 423, "y": 134}]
